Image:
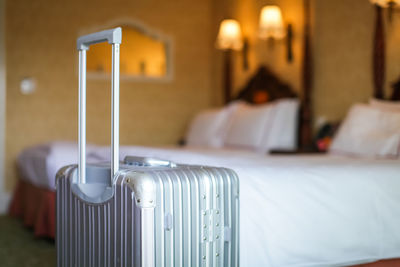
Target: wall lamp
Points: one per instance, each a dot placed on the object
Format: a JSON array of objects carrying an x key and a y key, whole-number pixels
[
  {"x": 389, "y": 4},
  {"x": 271, "y": 28},
  {"x": 229, "y": 35},
  {"x": 229, "y": 39},
  {"x": 386, "y": 3}
]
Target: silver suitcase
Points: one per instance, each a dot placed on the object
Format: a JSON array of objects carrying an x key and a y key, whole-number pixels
[{"x": 145, "y": 211}]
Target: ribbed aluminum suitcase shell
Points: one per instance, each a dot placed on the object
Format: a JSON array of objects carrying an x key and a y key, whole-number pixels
[
  {"x": 182, "y": 216},
  {"x": 147, "y": 212}
]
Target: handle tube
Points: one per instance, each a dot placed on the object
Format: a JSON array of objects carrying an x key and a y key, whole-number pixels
[
  {"x": 115, "y": 111},
  {"x": 82, "y": 117},
  {"x": 114, "y": 37}
]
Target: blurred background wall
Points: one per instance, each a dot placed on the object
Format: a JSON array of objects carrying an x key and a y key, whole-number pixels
[
  {"x": 342, "y": 41},
  {"x": 40, "y": 43},
  {"x": 4, "y": 196},
  {"x": 343, "y": 48}
]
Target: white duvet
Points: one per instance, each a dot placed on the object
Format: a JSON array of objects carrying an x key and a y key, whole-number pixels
[{"x": 294, "y": 210}]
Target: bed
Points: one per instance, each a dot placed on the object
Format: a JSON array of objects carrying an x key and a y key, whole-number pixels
[
  {"x": 309, "y": 210},
  {"x": 296, "y": 209}
]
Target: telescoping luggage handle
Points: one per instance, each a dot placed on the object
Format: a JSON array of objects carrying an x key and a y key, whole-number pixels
[{"x": 113, "y": 37}]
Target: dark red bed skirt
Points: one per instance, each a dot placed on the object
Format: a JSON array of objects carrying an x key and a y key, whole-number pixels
[
  {"x": 36, "y": 206},
  {"x": 384, "y": 263}
]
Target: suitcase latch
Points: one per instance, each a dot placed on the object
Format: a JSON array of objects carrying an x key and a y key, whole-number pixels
[
  {"x": 211, "y": 226},
  {"x": 168, "y": 221}
]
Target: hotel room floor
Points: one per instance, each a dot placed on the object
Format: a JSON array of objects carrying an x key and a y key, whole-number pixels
[{"x": 18, "y": 246}]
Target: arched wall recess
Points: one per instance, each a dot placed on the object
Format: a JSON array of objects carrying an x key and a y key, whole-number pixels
[{"x": 146, "y": 54}]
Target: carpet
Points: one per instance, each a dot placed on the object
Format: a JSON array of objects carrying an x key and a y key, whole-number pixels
[{"x": 19, "y": 247}]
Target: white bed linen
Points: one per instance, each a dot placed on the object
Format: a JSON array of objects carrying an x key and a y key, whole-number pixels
[
  {"x": 294, "y": 210},
  {"x": 39, "y": 164}
]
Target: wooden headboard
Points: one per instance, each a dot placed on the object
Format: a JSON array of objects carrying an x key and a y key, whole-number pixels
[
  {"x": 265, "y": 86},
  {"x": 396, "y": 91}
]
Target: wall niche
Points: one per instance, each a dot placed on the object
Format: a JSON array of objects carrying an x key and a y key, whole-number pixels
[{"x": 145, "y": 54}]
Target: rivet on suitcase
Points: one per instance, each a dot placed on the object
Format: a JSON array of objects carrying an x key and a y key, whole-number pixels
[{"x": 146, "y": 212}]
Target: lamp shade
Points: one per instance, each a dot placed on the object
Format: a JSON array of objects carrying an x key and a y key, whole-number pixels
[
  {"x": 271, "y": 23},
  {"x": 229, "y": 35},
  {"x": 386, "y": 3}
]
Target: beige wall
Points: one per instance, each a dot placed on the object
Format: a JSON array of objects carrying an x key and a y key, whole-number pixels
[
  {"x": 41, "y": 40},
  {"x": 343, "y": 40},
  {"x": 4, "y": 196},
  {"x": 40, "y": 43}
]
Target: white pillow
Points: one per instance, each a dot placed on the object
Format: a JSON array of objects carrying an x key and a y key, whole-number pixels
[
  {"x": 385, "y": 105},
  {"x": 209, "y": 128},
  {"x": 248, "y": 126},
  {"x": 284, "y": 130},
  {"x": 368, "y": 131},
  {"x": 264, "y": 127}
]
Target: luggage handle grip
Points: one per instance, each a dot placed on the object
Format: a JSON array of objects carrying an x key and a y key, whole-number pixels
[
  {"x": 114, "y": 37},
  {"x": 148, "y": 162}
]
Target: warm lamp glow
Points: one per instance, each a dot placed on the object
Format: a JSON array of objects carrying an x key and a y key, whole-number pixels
[
  {"x": 230, "y": 35},
  {"x": 386, "y": 3},
  {"x": 271, "y": 23}
]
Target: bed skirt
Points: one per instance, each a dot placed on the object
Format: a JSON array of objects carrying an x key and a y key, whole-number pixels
[
  {"x": 383, "y": 263},
  {"x": 36, "y": 207}
]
